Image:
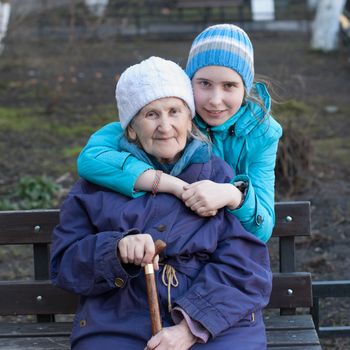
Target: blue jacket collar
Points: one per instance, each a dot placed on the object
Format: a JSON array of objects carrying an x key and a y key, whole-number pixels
[
  {"x": 246, "y": 118},
  {"x": 195, "y": 152}
]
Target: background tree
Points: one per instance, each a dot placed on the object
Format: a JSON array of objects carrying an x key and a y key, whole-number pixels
[
  {"x": 5, "y": 10},
  {"x": 325, "y": 27}
]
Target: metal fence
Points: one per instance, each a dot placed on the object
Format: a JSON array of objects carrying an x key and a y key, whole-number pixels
[
  {"x": 143, "y": 17},
  {"x": 329, "y": 289}
]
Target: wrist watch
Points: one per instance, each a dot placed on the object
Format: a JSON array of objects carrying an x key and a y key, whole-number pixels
[{"x": 243, "y": 187}]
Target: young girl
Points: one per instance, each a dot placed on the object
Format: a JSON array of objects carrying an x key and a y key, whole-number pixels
[{"x": 234, "y": 112}]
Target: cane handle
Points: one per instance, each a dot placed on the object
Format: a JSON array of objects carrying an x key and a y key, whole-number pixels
[{"x": 159, "y": 246}]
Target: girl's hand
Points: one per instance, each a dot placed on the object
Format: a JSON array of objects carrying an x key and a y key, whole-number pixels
[
  {"x": 137, "y": 249},
  {"x": 167, "y": 184},
  {"x": 172, "y": 184},
  {"x": 177, "y": 337},
  {"x": 206, "y": 197}
]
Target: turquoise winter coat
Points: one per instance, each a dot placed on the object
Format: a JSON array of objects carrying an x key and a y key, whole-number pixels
[{"x": 247, "y": 142}]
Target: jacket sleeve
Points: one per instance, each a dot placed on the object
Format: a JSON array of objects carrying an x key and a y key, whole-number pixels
[
  {"x": 235, "y": 282},
  {"x": 257, "y": 213},
  {"x": 102, "y": 163},
  {"x": 84, "y": 261}
]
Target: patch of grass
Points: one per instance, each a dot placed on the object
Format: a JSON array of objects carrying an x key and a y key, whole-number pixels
[
  {"x": 335, "y": 149},
  {"x": 71, "y": 168},
  {"x": 26, "y": 119},
  {"x": 72, "y": 151},
  {"x": 20, "y": 119},
  {"x": 3, "y": 86},
  {"x": 74, "y": 131},
  {"x": 102, "y": 115},
  {"x": 292, "y": 111},
  {"x": 89, "y": 124},
  {"x": 328, "y": 145},
  {"x": 7, "y": 204}
]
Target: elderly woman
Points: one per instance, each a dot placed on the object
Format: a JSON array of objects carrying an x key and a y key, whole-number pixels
[{"x": 214, "y": 277}]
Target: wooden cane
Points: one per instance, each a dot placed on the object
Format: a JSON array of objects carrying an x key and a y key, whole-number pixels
[{"x": 152, "y": 293}]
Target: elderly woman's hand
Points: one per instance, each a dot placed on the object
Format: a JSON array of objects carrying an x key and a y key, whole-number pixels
[
  {"x": 137, "y": 249},
  {"x": 177, "y": 337},
  {"x": 206, "y": 197}
]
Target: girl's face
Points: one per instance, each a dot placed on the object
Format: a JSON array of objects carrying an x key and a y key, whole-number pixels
[
  {"x": 161, "y": 128},
  {"x": 218, "y": 93}
]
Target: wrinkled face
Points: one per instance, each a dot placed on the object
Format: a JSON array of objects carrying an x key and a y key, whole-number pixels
[
  {"x": 161, "y": 128},
  {"x": 218, "y": 93}
]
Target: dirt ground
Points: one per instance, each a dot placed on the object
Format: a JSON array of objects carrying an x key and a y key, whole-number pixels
[{"x": 53, "y": 94}]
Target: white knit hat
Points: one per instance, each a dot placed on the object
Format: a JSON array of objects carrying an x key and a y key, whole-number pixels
[{"x": 148, "y": 81}]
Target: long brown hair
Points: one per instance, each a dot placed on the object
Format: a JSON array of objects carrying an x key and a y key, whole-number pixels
[{"x": 256, "y": 99}]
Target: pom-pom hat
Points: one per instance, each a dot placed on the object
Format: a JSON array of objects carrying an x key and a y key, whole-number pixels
[
  {"x": 223, "y": 45},
  {"x": 148, "y": 81}
]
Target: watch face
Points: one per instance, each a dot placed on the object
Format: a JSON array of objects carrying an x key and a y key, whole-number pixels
[{"x": 241, "y": 185}]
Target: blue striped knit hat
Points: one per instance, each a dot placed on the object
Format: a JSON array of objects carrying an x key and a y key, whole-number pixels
[{"x": 223, "y": 45}]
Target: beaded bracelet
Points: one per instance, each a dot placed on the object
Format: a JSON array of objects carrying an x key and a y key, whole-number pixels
[{"x": 156, "y": 182}]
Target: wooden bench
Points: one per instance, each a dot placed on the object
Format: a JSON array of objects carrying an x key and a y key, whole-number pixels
[
  {"x": 293, "y": 328},
  {"x": 287, "y": 329}
]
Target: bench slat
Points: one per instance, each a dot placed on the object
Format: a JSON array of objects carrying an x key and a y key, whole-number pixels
[
  {"x": 18, "y": 227},
  {"x": 301, "y": 337},
  {"x": 296, "y": 347},
  {"x": 35, "y": 297},
  {"x": 36, "y": 343},
  {"x": 49, "y": 329},
  {"x": 274, "y": 322},
  {"x": 299, "y": 212},
  {"x": 21, "y": 227},
  {"x": 301, "y": 290},
  {"x": 278, "y": 322},
  {"x": 53, "y": 300}
]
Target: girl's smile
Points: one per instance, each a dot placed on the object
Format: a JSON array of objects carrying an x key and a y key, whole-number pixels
[{"x": 214, "y": 113}]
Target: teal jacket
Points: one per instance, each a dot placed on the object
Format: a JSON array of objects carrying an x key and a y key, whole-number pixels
[{"x": 247, "y": 142}]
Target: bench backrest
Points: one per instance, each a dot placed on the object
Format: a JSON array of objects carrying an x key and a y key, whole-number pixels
[
  {"x": 38, "y": 297},
  {"x": 291, "y": 289}
]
